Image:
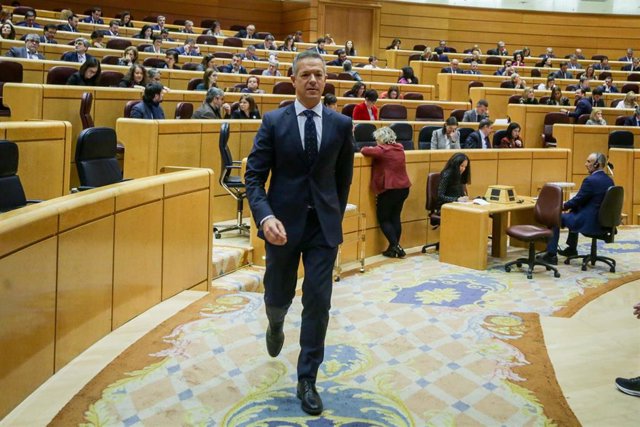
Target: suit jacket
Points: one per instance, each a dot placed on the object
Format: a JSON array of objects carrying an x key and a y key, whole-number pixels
[
  {"x": 472, "y": 116},
  {"x": 44, "y": 40},
  {"x": 612, "y": 89},
  {"x": 150, "y": 49},
  {"x": 439, "y": 141},
  {"x": 560, "y": 75},
  {"x": 449, "y": 70},
  {"x": 629, "y": 67},
  {"x": 73, "y": 56},
  {"x": 90, "y": 20},
  {"x": 360, "y": 112},
  {"x": 317, "y": 50},
  {"x": 67, "y": 27},
  {"x": 582, "y": 107},
  {"x": 472, "y": 72},
  {"x": 206, "y": 111},
  {"x": 602, "y": 67},
  {"x": 474, "y": 140},
  {"x": 150, "y": 111},
  {"x": 277, "y": 149},
  {"x": 585, "y": 205},
  {"x": 625, "y": 59},
  {"x": 20, "y": 52},
  {"x": 229, "y": 69},
  {"x": 24, "y": 24},
  {"x": 389, "y": 169},
  {"x": 631, "y": 121},
  {"x": 243, "y": 35}
]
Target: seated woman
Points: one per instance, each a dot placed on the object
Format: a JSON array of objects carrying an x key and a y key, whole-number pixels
[
  {"x": 428, "y": 55},
  {"x": 253, "y": 86},
  {"x": 395, "y": 44},
  {"x": 595, "y": 118},
  {"x": 349, "y": 48},
  {"x": 392, "y": 93},
  {"x": 215, "y": 30},
  {"x": 390, "y": 183},
  {"x": 367, "y": 110},
  {"x": 529, "y": 97},
  {"x": 289, "y": 44},
  {"x": 518, "y": 60},
  {"x": 448, "y": 137},
  {"x": 550, "y": 84},
  {"x": 145, "y": 32},
  {"x": 136, "y": 76},
  {"x": 556, "y": 97},
  {"x": 247, "y": 109},
  {"x": 356, "y": 91},
  {"x": 589, "y": 72},
  {"x": 526, "y": 52},
  {"x": 408, "y": 77},
  {"x": 7, "y": 31},
  {"x": 629, "y": 101},
  {"x": 125, "y": 19},
  {"x": 209, "y": 80},
  {"x": 512, "y": 138},
  {"x": 454, "y": 179},
  {"x": 208, "y": 61},
  {"x": 97, "y": 39},
  {"x": 330, "y": 101},
  {"x": 87, "y": 75},
  {"x": 129, "y": 56}
]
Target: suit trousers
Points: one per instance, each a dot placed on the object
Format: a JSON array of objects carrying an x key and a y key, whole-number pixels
[
  {"x": 388, "y": 209},
  {"x": 280, "y": 280},
  {"x": 572, "y": 239}
]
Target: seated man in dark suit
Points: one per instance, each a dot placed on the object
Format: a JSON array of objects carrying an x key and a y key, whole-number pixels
[
  {"x": 250, "y": 53},
  {"x": 30, "y": 49},
  {"x": 473, "y": 68},
  {"x": 628, "y": 57},
  {"x": 633, "y": 120},
  {"x": 441, "y": 56},
  {"x": 80, "y": 54},
  {"x": 608, "y": 86},
  {"x": 596, "y": 99},
  {"x": 236, "y": 65},
  {"x": 150, "y": 107},
  {"x": 156, "y": 47},
  {"x": 248, "y": 33},
  {"x": 500, "y": 50},
  {"x": 480, "y": 138},
  {"x": 603, "y": 65},
  {"x": 563, "y": 73},
  {"x": 319, "y": 47},
  {"x": 583, "y": 105},
  {"x": 160, "y": 22},
  {"x": 29, "y": 20},
  {"x": 71, "y": 25},
  {"x": 573, "y": 63},
  {"x": 213, "y": 106},
  {"x": 342, "y": 56},
  {"x": 49, "y": 34},
  {"x": 190, "y": 48},
  {"x": 95, "y": 17},
  {"x": 114, "y": 28},
  {"x": 269, "y": 43},
  {"x": 479, "y": 113},
  {"x": 583, "y": 207},
  {"x": 634, "y": 66},
  {"x": 453, "y": 68}
]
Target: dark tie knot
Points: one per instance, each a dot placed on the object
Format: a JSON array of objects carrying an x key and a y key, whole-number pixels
[{"x": 309, "y": 114}]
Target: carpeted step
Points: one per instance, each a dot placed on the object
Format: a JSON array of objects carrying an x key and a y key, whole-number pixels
[
  {"x": 227, "y": 258},
  {"x": 247, "y": 279}
]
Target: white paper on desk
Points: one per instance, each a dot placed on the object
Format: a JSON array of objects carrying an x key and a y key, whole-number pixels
[{"x": 480, "y": 202}]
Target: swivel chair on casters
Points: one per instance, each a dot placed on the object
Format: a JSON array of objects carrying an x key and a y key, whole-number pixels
[
  {"x": 232, "y": 184},
  {"x": 433, "y": 181}
]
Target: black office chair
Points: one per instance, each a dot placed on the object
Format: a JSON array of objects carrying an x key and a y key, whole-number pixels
[
  {"x": 404, "y": 134},
  {"x": 464, "y": 134},
  {"x": 363, "y": 136},
  {"x": 433, "y": 181},
  {"x": 96, "y": 158},
  {"x": 621, "y": 139},
  {"x": 497, "y": 137},
  {"x": 11, "y": 191},
  {"x": 231, "y": 183},
  {"x": 424, "y": 137},
  {"x": 609, "y": 218}
]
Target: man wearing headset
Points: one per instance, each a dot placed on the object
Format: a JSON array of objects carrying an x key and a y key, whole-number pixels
[{"x": 583, "y": 209}]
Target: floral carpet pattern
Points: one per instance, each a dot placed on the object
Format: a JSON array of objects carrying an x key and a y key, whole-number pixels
[{"x": 411, "y": 343}]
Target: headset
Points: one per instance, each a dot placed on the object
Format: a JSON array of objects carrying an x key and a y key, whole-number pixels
[{"x": 601, "y": 160}]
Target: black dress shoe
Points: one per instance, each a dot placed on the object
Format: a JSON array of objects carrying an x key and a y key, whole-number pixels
[
  {"x": 401, "y": 253},
  {"x": 307, "y": 393},
  {"x": 549, "y": 259},
  {"x": 568, "y": 251},
  {"x": 390, "y": 253},
  {"x": 275, "y": 340}
]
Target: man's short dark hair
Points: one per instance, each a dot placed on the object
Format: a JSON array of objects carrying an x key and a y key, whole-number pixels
[
  {"x": 304, "y": 55},
  {"x": 330, "y": 99},
  {"x": 371, "y": 95},
  {"x": 151, "y": 91},
  {"x": 564, "y": 64},
  {"x": 341, "y": 52},
  {"x": 156, "y": 38},
  {"x": 114, "y": 21},
  {"x": 50, "y": 27},
  {"x": 597, "y": 91},
  {"x": 320, "y": 40},
  {"x": 482, "y": 102},
  {"x": 71, "y": 17},
  {"x": 484, "y": 123},
  {"x": 173, "y": 53},
  {"x": 371, "y": 59},
  {"x": 30, "y": 12}
]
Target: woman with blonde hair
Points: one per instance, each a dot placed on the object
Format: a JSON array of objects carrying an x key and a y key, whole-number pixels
[
  {"x": 595, "y": 118},
  {"x": 629, "y": 101},
  {"x": 129, "y": 56}
]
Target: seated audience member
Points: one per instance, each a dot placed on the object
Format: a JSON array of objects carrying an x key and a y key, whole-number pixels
[
  {"x": 80, "y": 54},
  {"x": 453, "y": 68},
  {"x": 341, "y": 57},
  {"x": 528, "y": 97},
  {"x": 49, "y": 34},
  {"x": 443, "y": 45},
  {"x": 350, "y": 48},
  {"x": 507, "y": 70},
  {"x": 440, "y": 56},
  {"x": 188, "y": 27},
  {"x": 319, "y": 47},
  {"x": 630, "y": 386},
  {"x": 563, "y": 72},
  {"x": 29, "y": 20},
  {"x": 150, "y": 107},
  {"x": 247, "y": 109},
  {"x": 298, "y": 37},
  {"x": 250, "y": 53},
  {"x": 7, "y": 31},
  {"x": 633, "y": 120},
  {"x": 213, "y": 106},
  {"x": 95, "y": 17},
  {"x": 512, "y": 138},
  {"x": 30, "y": 49},
  {"x": 589, "y": 72},
  {"x": 634, "y": 66},
  {"x": 518, "y": 61},
  {"x": 146, "y": 32},
  {"x": 189, "y": 48},
  {"x": 328, "y": 40},
  {"x": 129, "y": 56},
  {"x": 248, "y": 33},
  {"x": 608, "y": 86},
  {"x": 330, "y": 101},
  {"x": 595, "y": 118},
  {"x": 408, "y": 77},
  {"x": 583, "y": 207},
  {"x": 215, "y": 30},
  {"x": 556, "y": 97},
  {"x": 583, "y": 106},
  {"x": 208, "y": 61},
  {"x": 367, "y": 110},
  {"x": 114, "y": 28},
  {"x": 160, "y": 23},
  {"x": 357, "y": 90},
  {"x": 87, "y": 75},
  {"x": 526, "y": 52},
  {"x": 428, "y": 55},
  {"x": 235, "y": 67},
  {"x": 454, "y": 179},
  {"x": 516, "y": 82},
  {"x": 603, "y": 65},
  {"x": 573, "y": 63},
  {"x": 71, "y": 26},
  {"x": 154, "y": 76},
  {"x": 629, "y": 101},
  {"x": 392, "y": 93},
  {"x": 126, "y": 19},
  {"x": 171, "y": 60},
  {"x": 544, "y": 63},
  {"x": 480, "y": 138},
  {"x": 477, "y": 114},
  {"x": 390, "y": 183},
  {"x": 347, "y": 67},
  {"x": 253, "y": 85},
  {"x": 628, "y": 57},
  {"x": 156, "y": 46},
  {"x": 136, "y": 76},
  {"x": 289, "y": 44},
  {"x": 585, "y": 83},
  {"x": 500, "y": 50},
  {"x": 269, "y": 43},
  {"x": 548, "y": 53},
  {"x": 475, "y": 57},
  {"x": 578, "y": 54},
  {"x": 473, "y": 68},
  {"x": 447, "y": 137},
  {"x": 395, "y": 44},
  {"x": 209, "y": 79},
  {"x": 549, "y": 84},
  {"x": 272, "y": 70},
  {"x": 596, "y": 99},
  {"x": 97, "y": 39}
]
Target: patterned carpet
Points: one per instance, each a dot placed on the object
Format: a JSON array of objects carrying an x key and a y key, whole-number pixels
[{"x": 411, "y": 343}]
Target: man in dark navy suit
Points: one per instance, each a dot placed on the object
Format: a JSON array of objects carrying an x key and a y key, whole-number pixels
[
  {"x": 633, "y": 120},
  {"x": 80, "y": 54},
  {"x": 583, "y": 207},
  {"x": 480, "y": 138},
  {"x": 308, "y": 150}
]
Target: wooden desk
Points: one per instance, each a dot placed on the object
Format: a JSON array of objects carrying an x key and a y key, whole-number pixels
[{"x": 464, "y": 228}]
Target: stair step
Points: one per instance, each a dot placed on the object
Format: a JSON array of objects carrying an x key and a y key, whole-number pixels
[
  {"x": 226, "y": 258},
  {"x": 246, "y": 279}
]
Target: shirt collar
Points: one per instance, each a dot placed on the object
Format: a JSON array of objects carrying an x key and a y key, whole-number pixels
[{"x": 300, "y": 108}]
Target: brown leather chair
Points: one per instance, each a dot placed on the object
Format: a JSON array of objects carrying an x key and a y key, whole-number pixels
[
  {"x": 419, "y": 47},
  {"x": 110, "y": 78},
  {"x": 582, "y": 119},
  {"x": 546, "y": 212},
  {"x": 515, "y": 99},
  {"x": 536, "y": 73},
  {"x": 543, "y": 100},
  {"x": 630, "y": 87},
  {"x": 119, "y": 44},
  {"x": 226, "y": 55},
  {"x": 193, "y": 83},
  {"x": 433, "y": 181},
  {"x": 494, "y": 60},
  {"x": 413, "y": 96},
  {"x": 604, "y": 74},
  {"x": 633, "y": 77},
  {"x": 428, "y": 112},
  {"x": 10, "y": 72},
  {"x": 207, "y": 23},
  {"x": 85, "y": 110},
  {"x": 363, "y": 135},
  {"x": 609, "y": 217},
  {"x": 179, "y": 21},
  {"x": 232, "y": 41},
  {"x": 285, "y": 103},
  {"x": 329, "y": 88},
  {"x": 59, "y": 75},
  {"x": 549, "y": 120},
  {"x": 184, "y": 110},
  {"x": 345, "y": 76},
  {"x": 152, "y": 62},
  {"x": 150, "y": 18},
  {"x": 128, "y": 107},
  {"x": 620, "y": 120},
  {"x": 393, "y": 112},
  {"x": 404, "y": 134},
  {"x": 256, "y": 71},
  {"x": 237, "y": 27},
  {"x": 347, "y": 110},
  {"x": 332, "y": 76},
  {"x": 110, "y": 60},
  {"x": 474, "y": 83},
  {"x": 621, "y": 139},
  {"x": 190, "y": 66},
  {"x": 458, "y": 114},
  {"x": 204, "y": 39},
  {"x": 12, "y": 194}
]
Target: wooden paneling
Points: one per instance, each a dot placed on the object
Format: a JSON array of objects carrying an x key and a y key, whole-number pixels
[{"x": 351, "y": 22}]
